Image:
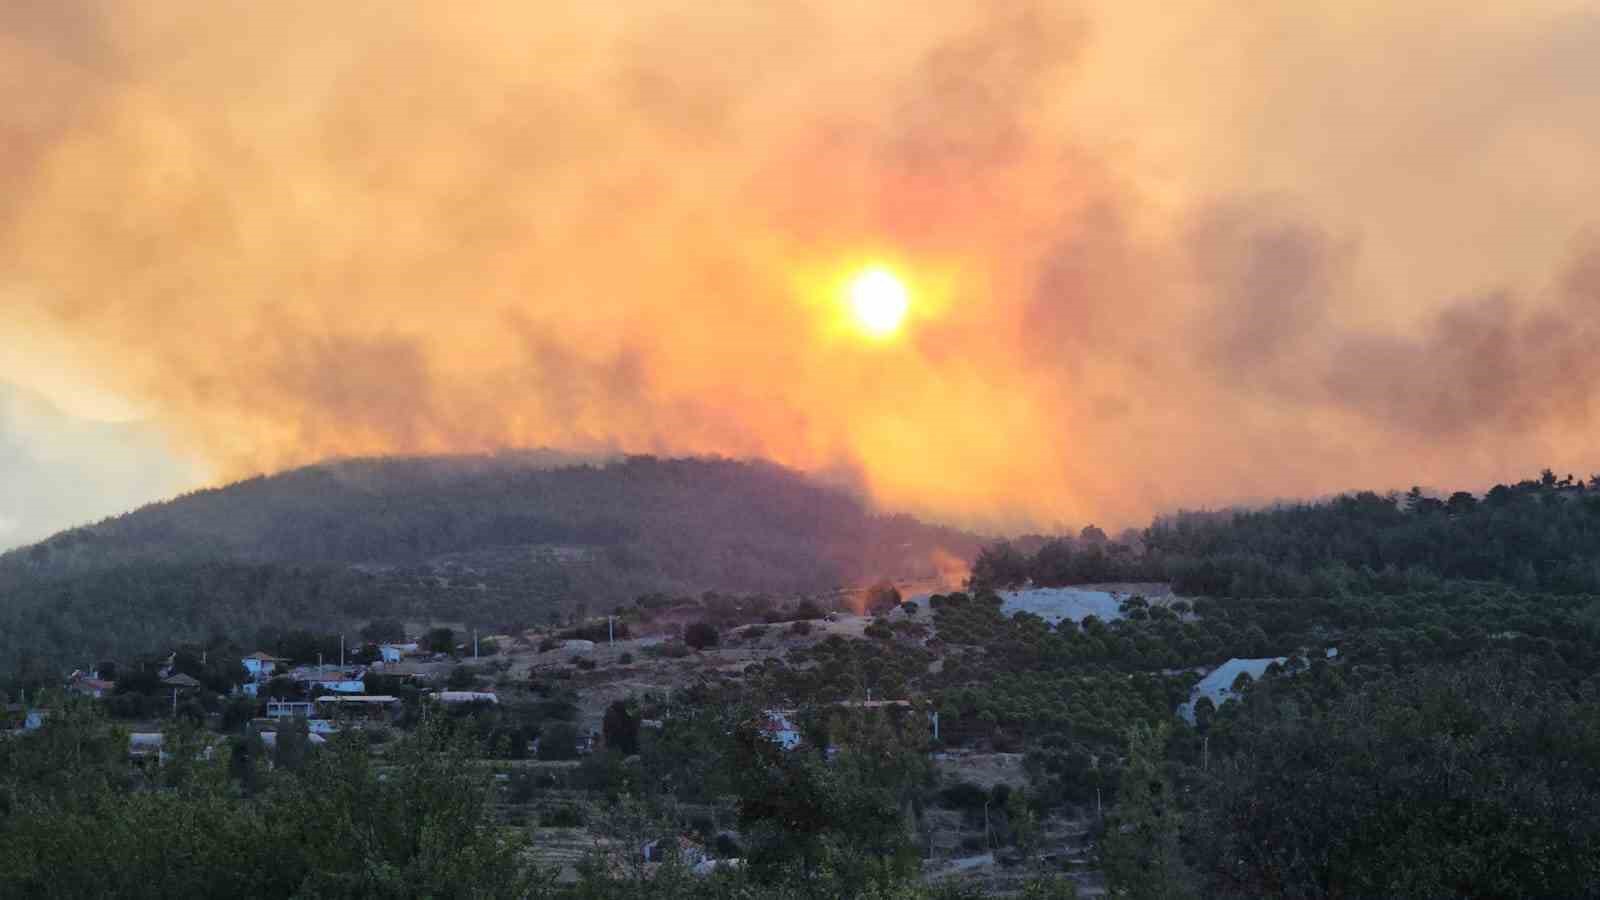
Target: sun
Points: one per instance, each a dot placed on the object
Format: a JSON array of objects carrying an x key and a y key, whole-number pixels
[{"x": 879, "y": 301}]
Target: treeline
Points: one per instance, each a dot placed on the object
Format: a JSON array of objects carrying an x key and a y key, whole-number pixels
[
  {"x": 697, "y": 522},
  {"x": 1536, "y": 535}
]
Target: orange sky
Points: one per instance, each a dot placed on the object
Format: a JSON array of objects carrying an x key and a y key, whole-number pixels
[{"x": 1157, "y": 257}]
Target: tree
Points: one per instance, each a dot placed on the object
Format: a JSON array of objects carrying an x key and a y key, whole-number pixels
[
  {"x": 441, "y": 640},
  {"x": 621, "y": 727},
  {"x": 701, "y": 635},
  {"x": 383, "y": 631},
  {"x": 558, "y": 740},
  {"x": 1140, "y": 851}
]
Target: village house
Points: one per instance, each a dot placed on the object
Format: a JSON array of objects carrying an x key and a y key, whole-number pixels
[
  {"x": 289, "y": 709},
  {"x": 89, "y": 685},
  {"x": 261, "y": 665},
  {"x": 338, "y": 681},
  {"x": 183, "y": 683},
  {"x": 393, "y": 653}
]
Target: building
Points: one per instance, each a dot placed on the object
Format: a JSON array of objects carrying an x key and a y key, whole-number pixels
[
  {"x": 466, "y": 697},
  {"x": 270, "y": 739},
  {"x": 261, "y": 665},
  {"x": 181, "y": 682},
  {"x": 392, "y": 653},
  {"x": 90, "y": 685},
  {"x": 780, "y": 730},
  {"x": 338, "y": 681},
  {"x": 289, "y": 709}
]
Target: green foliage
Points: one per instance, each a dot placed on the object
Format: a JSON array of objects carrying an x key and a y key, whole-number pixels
[
  {"x": 1472, "y": 780},
  {"x": 474, "y": 540},
  {"x": 336, "y": 829}
]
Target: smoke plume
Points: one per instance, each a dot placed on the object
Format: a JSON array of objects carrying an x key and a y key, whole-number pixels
[{"x": 1158, "y": 257}]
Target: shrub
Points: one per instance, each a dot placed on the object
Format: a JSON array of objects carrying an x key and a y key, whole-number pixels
[
  {"x": 625, "y": 659},
  {"x": 964, "y": 795},
  {"x": 909, "y": 607},
  {"x": 562, "y": 817},
  {"x": 807, "y": 610},
  {"x": 701, "y": 635},
  {"x": 801, "y": 627}
]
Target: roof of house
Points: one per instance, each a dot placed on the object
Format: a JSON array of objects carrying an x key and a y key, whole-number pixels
[
  {"x": 181, "y": 680},
  {"x": 264, "y": 657},
  {"x": 380, "y": 699}
]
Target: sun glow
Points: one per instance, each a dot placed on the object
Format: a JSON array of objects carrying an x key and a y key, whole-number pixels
[{"x": 879, "y": 301}]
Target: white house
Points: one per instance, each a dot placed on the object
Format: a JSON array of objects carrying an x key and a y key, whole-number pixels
[
  {"x": 260, "y": 665},
  {"x": 392, "y": 653},
  {"x": 35, "y": 719}
]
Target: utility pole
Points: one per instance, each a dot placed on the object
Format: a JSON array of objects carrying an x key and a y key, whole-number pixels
[
  {"x": 341, "y": 652},
  {"x": 611, "y": 630},
  {"x": 1205, "y": 753},
  {"x": 174, "y": 703},
  {"x": 474, "y": 645}
]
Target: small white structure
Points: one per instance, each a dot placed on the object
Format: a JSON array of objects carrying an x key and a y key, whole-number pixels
[
  {"x": 270, "y": 739},
  {"x": 146, "y": 745},
  {"x": 1218, "y": 685},
  {"x": 578, "y": 646},
  {"x": 35, "y": 719},
  {"x": 466, "y": 697}
]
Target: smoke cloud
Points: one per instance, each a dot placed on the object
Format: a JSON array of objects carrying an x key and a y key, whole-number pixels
[{"x": 1157, "y": 257}]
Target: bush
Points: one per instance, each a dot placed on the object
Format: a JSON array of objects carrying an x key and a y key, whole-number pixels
[
  {"x": 562, "y": 817},
  {"x": 880, "y": 630},
  {"x": 625, "y": 659},
  {"x": 755, "y": 631},
  {"x": 558, "y": 740},
  {"x": 808, "y": 610},
  {"x": 965, "y": 796},
  {"x": 701, "y": 635},
  {"x": 909, "y": 607},
  {"x": 801, "y": 628},
  {"x": 584, "y": 663}
]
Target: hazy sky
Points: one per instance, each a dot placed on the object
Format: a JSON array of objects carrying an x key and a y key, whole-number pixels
[{"x": 1159, "y": 254}]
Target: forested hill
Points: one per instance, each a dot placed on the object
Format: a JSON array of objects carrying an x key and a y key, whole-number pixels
[
  {"x": 1538, "y": 535},
  {"x": 489, "y": 539},
  {"x": 1541, "y": 534}
]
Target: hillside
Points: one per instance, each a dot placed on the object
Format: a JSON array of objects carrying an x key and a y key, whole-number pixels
[{"x": 489, "y": 540}]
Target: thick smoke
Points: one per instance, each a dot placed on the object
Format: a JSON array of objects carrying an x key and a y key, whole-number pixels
[{"x": 1159, "y": 257}]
